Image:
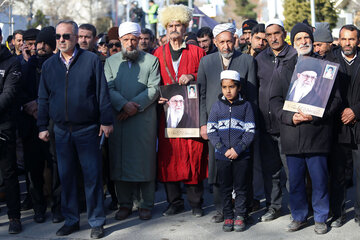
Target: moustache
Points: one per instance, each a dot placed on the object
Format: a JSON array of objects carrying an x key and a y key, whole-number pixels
[
  {"x": 174, "y": 32},
  {"x": 304, "y": 45}
]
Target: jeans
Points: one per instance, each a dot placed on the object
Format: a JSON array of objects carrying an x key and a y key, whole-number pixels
[
  {"x": 83, "y": 146},
  {"x": 317, "y": 167}
]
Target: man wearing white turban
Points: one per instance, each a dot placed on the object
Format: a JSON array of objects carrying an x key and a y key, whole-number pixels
[
  {"x": 210, "y": 68},
  {"x": 133, "y": 78}
]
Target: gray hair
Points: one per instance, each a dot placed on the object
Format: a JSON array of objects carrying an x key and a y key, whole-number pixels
[{"x": 74, "y": 25}]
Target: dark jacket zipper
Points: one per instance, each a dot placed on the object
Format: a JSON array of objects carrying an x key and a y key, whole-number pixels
[
  {"x": 66, "y": 96},
  {"x": 229, "y": 127}
]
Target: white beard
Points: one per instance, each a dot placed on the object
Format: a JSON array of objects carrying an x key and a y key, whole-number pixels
[
  {"x": 173, "y": 117},
  {"x": 301, "y": 90}
]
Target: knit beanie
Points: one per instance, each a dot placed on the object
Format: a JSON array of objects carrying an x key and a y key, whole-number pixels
[
  {"x": 249, "y": 24},
  {"x": 323, "y": 33},
  {"x": 47, "y": 35},
  {"x": 31, "y": 34},
  {"x": 300, "y": 27}
]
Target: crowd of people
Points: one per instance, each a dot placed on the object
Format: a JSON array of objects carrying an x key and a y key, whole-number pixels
[{"x": 88, "y": 108}]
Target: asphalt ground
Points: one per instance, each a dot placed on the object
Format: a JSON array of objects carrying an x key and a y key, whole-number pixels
[{"x": 183, "y": 226}]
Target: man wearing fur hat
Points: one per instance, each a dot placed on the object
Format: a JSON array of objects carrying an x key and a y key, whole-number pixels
[
  {"x": 305, "y": 139},
  {"x": 133, "y": 78},
  {"x": 114, "y": 45},
  {"x": 210, "y": 68},
  {"x": 180, "y": 159}
]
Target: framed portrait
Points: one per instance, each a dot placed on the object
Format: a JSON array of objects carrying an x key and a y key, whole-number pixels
[
  {"x": 310, "y": 86},
  {"x": 181, "y": 110}
]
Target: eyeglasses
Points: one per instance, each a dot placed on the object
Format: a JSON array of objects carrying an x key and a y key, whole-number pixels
[
  {"x": 65, "y": 36},
  {"x": 110, "y": 45}
]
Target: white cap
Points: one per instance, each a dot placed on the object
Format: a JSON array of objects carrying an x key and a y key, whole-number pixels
[
  {"x": 274, "y": 21},
  {"x": 230, "y": 74},
  {"x": 129, "y": 27},
  {"x": 224, "y": 27}
]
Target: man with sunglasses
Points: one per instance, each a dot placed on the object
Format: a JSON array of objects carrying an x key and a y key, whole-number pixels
[
  {"x": 73, "y": 93},
  {"x": 114, "y": 45}
]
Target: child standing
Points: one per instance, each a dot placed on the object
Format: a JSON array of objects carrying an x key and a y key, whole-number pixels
[{"x": 231, "y": 129}]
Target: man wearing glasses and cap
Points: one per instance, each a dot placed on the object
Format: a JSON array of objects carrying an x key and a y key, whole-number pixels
[
  {"x": 73, "y": 92},
  {"x": 114, "y": 45}
]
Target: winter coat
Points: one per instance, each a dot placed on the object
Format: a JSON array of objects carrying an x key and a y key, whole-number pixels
[
  {"x": 231, "y": 125},
  {"x": 313, "y": 137}
]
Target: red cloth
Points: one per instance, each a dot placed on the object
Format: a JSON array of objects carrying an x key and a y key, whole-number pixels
[{"x": 181, "y": 159}]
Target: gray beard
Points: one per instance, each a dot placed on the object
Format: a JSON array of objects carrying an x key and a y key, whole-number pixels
[
  {"x": 130, "y": 55},
  {"x": 227, "y": 55}
]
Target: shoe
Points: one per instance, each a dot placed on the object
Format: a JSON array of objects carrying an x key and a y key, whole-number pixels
[
  {"x": 217, "y": 218},
  {"x": 270, "y": 215},
  {"x": 144, "y": 214},
  {"x": 198, "y": 212},
  {"x": 39, "y": 217},
  {"x": 320, "y": 228},
  {"x": 228, "y": 225},
  {"x": 123, "y": 213},
  {"x": 97, "y": 232},
  {"x": 113, "y": 205},
  {"x": 27, "y": 203},
  {"x": 295, "y": 225},
  {"x": 239, "y": 224},
  {"x": 14, "y": 226},
  {"x": 172, "y": 210},
  {"x": 337, "y": 221},
  {"x": 57, "y": 217},
  {"x": 66, "y": 230}
]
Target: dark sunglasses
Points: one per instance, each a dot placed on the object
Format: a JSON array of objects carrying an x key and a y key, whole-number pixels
[
  {"x": 110, "y": 45},
  {"x": 65, "y": 36}
]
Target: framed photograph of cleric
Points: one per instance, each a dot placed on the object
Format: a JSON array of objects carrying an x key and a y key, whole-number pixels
[
  {"x": 311, "y": 85},
  {"x": 181, "y": 110}
]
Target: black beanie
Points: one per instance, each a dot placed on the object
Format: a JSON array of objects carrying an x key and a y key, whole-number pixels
[
  {"x": 47, "y": 35},
  {"x": 249, "y": 24},
  {"x": 301, "y": 27},
  {"x": 31, "y": 34}
]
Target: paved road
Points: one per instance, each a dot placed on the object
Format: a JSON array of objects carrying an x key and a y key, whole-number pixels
[{"x": 181, "y": 227}]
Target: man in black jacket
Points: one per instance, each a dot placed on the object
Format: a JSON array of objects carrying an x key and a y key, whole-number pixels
[
  {"x": 305, "y": 140},
  {"x": 269, "y": 61},
  {"x": 10, "y": 75},
  {"x": 74, "y": 94},
  {"x": 347, "y": 144},
  {"x": 36, "y": 152}
]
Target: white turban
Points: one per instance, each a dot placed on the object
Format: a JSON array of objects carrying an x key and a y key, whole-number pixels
[
  {"x": 129, "y": 27},
  {"x": 224, "y": 27},
  {"x": 230, "y": 74},
  {"x": 275, "y": 21}
]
